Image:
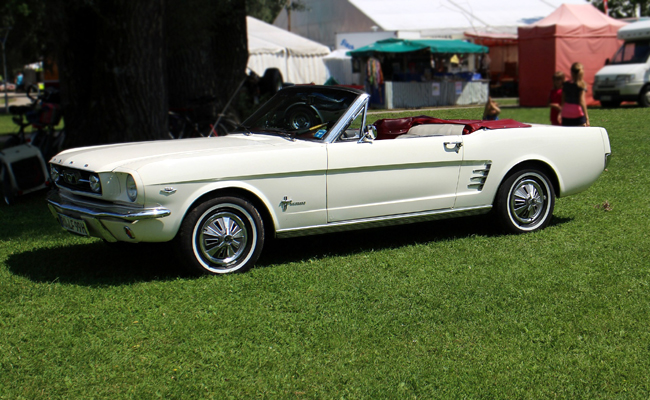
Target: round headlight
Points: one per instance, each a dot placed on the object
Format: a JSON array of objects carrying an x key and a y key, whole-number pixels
[
  {"x": 54, "y": 173},
  {"x": 95, "y": 185},
  {"x": 131, "y": 188}
]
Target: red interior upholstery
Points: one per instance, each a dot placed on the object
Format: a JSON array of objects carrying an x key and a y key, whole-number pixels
[{"x": 390, "y": 128}]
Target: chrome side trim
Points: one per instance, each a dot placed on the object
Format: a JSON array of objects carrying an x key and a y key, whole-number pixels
[
  {"x": 62, "y": 203},
  {"x": 383, "y": 221}
]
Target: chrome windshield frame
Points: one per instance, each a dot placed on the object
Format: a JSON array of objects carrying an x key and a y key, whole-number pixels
[{"x": 360, "y": 104}]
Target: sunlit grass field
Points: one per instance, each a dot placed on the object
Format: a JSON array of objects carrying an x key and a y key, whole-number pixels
[{"x": 450, "y": 309}]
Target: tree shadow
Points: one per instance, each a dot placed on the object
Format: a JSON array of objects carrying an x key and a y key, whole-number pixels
[
  {"x": 101, "y": 264},
  {"x": 27, "y": 216}
]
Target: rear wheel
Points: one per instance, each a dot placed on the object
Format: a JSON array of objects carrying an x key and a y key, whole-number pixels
[
  {"x": 644, "y": 96},
  {"x": 221, "y": 235},
  {"x": 525, "y": 201}
]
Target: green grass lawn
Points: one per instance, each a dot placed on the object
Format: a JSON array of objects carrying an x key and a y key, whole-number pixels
[
  {"x": 7, "y": 125},
  {"x": 450, "y": 309}
]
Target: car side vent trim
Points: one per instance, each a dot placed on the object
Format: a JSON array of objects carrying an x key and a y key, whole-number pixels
[{"x": 479, "y": 176}]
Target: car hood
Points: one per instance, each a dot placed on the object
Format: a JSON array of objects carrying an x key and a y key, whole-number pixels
[{"x": 134, "y": 156}]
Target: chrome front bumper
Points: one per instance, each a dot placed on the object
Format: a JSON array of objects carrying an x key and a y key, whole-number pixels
[{"x": 93, "y": 213}]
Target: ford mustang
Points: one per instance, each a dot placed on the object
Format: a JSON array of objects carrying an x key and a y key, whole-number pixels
[{"x": 307, "y": 163}]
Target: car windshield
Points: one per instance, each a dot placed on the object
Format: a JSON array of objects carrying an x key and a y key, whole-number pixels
[
  {"x": 636, "y": 52},
  {"x": 303, "y": 112}
]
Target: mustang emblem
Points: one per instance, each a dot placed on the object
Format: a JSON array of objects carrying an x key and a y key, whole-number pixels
[
  {"x": 287, "y": 202},
  {"x": 71, "y": 178},
  {"x": 167, "y": 191}
]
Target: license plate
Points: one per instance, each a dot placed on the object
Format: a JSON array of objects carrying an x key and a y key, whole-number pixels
[
  {"x": 74, "y": 225},
  {"x": 605, "y": 98}
]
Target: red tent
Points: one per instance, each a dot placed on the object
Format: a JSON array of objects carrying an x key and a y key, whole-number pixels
[{"x": 572, "y": 33}]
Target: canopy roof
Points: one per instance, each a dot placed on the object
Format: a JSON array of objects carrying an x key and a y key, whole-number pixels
[
  {"x": 299, "y": 60},
  {"x": 573, "y": 20},
  {"x": 265, "y": 38},
  {"x": 493, "y": 39},
  {"x": 571, "y": 33},
  {"x": 457, "y": 16},
  {"x": 393, "y": 45}
]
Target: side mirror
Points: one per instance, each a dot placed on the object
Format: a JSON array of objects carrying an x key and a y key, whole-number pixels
[
  {"x": 607, "y": 61},
  {"x": 369, "y": 134}
]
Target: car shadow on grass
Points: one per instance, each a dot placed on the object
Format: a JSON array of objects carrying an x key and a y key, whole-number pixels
[
  {"x": 101, "y": 264},
  {"x": 97, "y": 264},
  {"x": 353, "y": 242}
]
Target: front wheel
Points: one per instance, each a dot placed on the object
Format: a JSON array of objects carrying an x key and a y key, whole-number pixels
[
  {"x": 221, "y": 235},
  {"x": 525, "y": 201},
  {"x": 610, "y": 104}
]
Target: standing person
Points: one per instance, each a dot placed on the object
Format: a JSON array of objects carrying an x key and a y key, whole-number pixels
[
  {"x": 491, "y": 111},
  {"x": 20, "y": 84},
  {"x": 555, "y": 98},
  {"x": 574, "y": 98}
]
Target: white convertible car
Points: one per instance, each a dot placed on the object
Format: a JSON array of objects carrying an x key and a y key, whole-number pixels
[{"x": 306, "y": 163}]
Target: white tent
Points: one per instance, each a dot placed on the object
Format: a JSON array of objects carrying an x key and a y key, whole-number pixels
[
  {"x": 411, "y": 19},
  {"x": 339, "y": 65},
  {"x": 298, "y": 59}
]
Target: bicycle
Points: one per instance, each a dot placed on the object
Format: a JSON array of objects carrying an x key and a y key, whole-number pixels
[
  {"x": 33, "y": 92},
  {"x": 188, "y": 121},
  {"x": 44, "y": 114}
]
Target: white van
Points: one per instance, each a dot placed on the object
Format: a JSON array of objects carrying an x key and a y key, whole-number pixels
[{"x": 626, "y": 77}]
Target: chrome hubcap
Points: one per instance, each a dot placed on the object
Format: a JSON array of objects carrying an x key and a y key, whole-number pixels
[
  {"x": 527, "y": 201},
  {"x": 223, "y": 238}
]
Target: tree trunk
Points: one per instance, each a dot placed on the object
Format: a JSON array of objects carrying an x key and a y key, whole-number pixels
[
  {"x": 207, "y": 51},
  {"x": 123, "y": 62},
  {"x": 111, "y": 70}
]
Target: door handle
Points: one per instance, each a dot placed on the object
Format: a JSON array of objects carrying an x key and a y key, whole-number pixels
[{"x": 453, "y": 146}]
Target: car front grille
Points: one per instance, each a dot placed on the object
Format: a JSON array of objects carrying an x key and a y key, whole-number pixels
[{"x": 75, "y": 179}]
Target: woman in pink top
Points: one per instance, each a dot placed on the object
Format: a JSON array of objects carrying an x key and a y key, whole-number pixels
[{"x": 574, "y": 99}]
